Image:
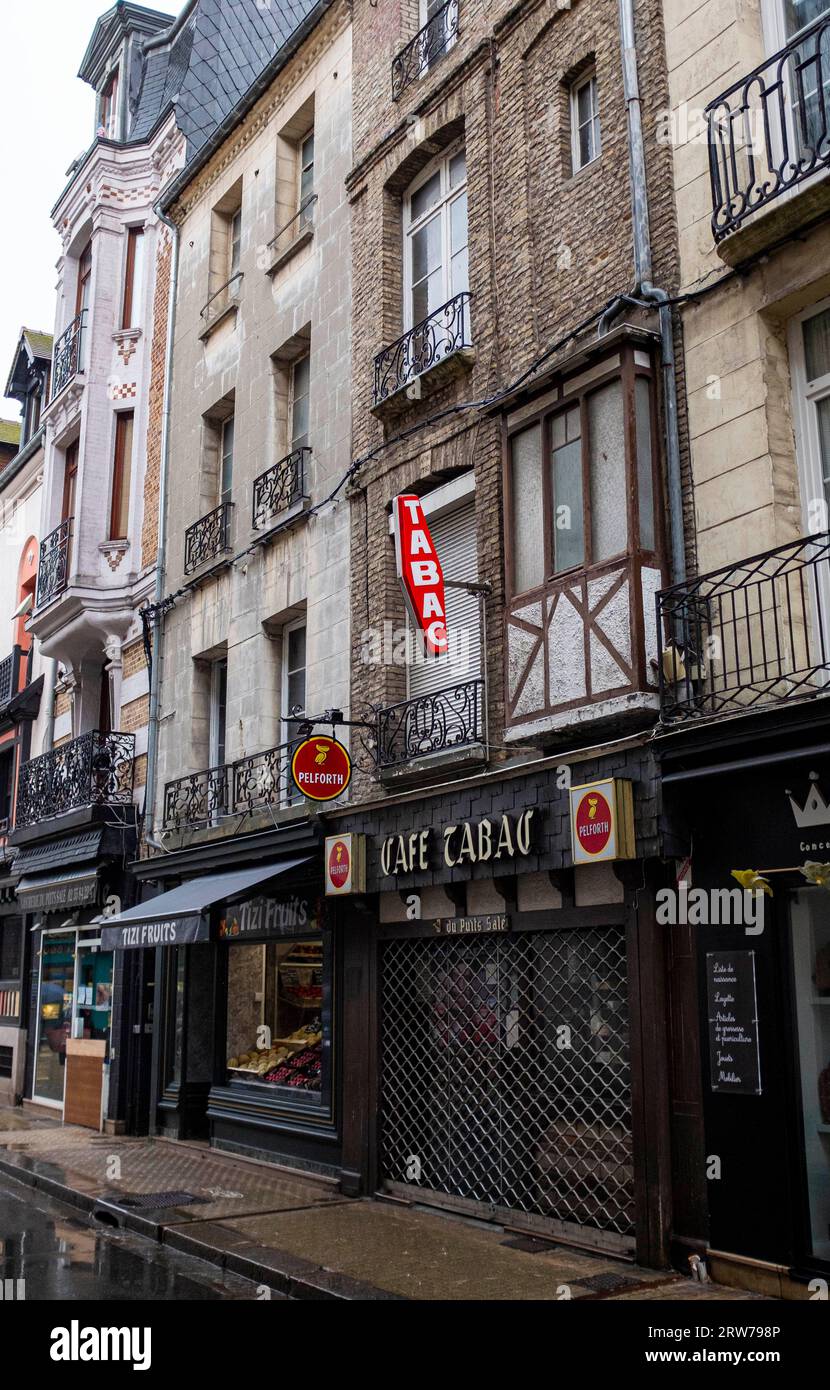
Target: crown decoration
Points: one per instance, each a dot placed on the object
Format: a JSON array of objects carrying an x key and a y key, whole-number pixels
[{"x": 815, "y": 811}]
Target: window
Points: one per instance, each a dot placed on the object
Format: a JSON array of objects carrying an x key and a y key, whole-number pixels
[
  {"x": 572, "y": 474},
  {"x": 218, "y": 711},
  {"x": 108, "y": 109},
  {"x": 585, "y": 131},
  {"x": 300, "y": 382},
  {"x": 122, "y": 476},
  {"x": 133, "y": 278},
  {"x": 306, "y": 165},
  {"x": 278, "y": 1022},
  {"x": 84, "y": 279},
  {"x": 452, "y": 523},
  {"x": 442, "y": 33},
  {"x": 11, "y": 947},
  {"x": 6, "y": 790},
  {"x": 226, "y": 471},
  {"x": 435, "y": 225},
  {"x": 294, "y": 670},
  {"x": 235, "y": 242},
  {"x": 70, "y": 481}
]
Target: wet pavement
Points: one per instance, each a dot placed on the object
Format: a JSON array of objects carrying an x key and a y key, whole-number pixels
[
  {"x": 60, "y": 1255},
  {"x": 244, "y": 1224}
]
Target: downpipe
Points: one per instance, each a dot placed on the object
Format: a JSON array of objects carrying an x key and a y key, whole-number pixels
[
  {"x": 647, "y": 291},
  {"x": 158, "y": 593}
]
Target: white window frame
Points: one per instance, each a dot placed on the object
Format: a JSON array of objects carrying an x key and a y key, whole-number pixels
[
  {"x": 234, "y": 246},
  {"x": 291, "y": 795},
  {"x": 226, "y": 493},
  {"x": 805, "y": 396},
  {"x": 213, "y": 732},
  {"x": 423, "y": 20},
  {"x": 586, "y": 79},
  {"x": 301, "y": 168},
  {"x": 293, "y": 398},
  {"x": 442, "y": 210}
]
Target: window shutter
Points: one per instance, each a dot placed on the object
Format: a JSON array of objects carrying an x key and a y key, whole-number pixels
[{"x": 454, "y": 535}]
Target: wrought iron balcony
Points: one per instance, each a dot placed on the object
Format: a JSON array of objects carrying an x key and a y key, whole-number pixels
[
  {"x": 280, "y": 487},
  {"x": 437, "y": 723},
  {"x": 769, "y": 131},
  {"x": 299, "y": 228},
  {"x": 67, "y": 359},
  {"x": 441, "y": 335},
  {"x": 197, "y": 799},
  {"x": 93, "y": 770},
  {"x": 748, "y": 636},
  {"x": 207, "y": 538},
  {"x": 428, "y": 45},
  {"x": 9, "y": 670},
  {"x": 53, "y": 570},
  {"x": 202, "y": 798}
]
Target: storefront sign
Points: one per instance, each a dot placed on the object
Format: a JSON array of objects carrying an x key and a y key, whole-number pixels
[
  {"x": 321, "y": 768},
  {"x": 468, "y": 842},
  {"x": 179, "y": 931},
  {"x": 345, "y": 865},
  {"x": 261, "y": 918},
  {"x": 734, "y": 1061},
  {"x": 471, "y": 926},
  {"x": 420, "y": 574},
  {"x": 602, "y": 821},
  {"x": 55, "y": 895}
]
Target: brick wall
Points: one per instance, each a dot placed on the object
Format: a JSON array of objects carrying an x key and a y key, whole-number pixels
[
  {"x": 134, "y": 659},
  {"x": 547, "y": 248}
]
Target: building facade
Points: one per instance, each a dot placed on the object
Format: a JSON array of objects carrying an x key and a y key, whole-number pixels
[
  {"x": 742, "y": 707},
  {"x": 23, "y": 675}
]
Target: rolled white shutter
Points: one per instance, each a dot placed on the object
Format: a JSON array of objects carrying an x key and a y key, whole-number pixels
[{"x": 454, "y": 534}]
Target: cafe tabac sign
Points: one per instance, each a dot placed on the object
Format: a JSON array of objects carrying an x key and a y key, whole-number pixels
[{"x": 466, "y": 842}]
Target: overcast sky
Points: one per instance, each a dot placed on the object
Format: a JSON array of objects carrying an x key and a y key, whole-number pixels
[{"x": 47, "y": 118}]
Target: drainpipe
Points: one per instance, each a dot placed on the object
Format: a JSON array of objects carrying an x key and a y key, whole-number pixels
[
  {"x": 644, "y": 287},
  {"x": 155, "y": 672}
]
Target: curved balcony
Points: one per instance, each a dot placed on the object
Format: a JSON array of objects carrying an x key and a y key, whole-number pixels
[
  {"x": 53, "y": 570},
  {"x": 67, "y": 357},
  {"x": 279, "y": 488},
  {"x": 441, "y": 722},
  {"x": 424, "y": 51},
  {"x": 208, "y": 538},
  {"x": 440, "y": 340},
  {"x": 93, "y": 770}
]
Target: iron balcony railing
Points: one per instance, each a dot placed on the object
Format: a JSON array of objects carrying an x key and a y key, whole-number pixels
[
  {"x": 202, "y": 798},
  {"x": 428, "y": 45},
  {"x": 443, "y": 333},
  {"x": 748, "y": 636},
  {"x": 769, "y": 131},
  {"x": 207, "y": 538},
  {"x": 93, "y": 770},
  {"x": 222, "y": 298},
  {"x": 9, "y": 672},
  {"x": 53, "y": 570},
  {"x": 67, "y": 359},
  {"x": 280, "y": 487},
  {"x": 436, "y": 723},
  {"x": 299, "y": 224}
]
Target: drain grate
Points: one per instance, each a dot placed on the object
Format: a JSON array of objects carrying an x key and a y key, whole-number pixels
[
  {"x": 155, "y": 1201},
  {"x": 608, "y": 1283}
]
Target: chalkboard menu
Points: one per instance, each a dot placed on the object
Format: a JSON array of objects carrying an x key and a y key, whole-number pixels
[{"x": 734, "y": 1062}]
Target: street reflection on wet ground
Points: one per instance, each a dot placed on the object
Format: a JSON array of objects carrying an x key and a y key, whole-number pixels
[{"x": 60, "y": 1255}]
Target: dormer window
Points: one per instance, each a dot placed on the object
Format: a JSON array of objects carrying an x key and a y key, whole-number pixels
[{"x": 108, "y": 109}]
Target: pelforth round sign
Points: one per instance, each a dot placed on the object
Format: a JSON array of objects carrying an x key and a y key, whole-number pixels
[
  {"x": 593, "y": 823},
  {"x": 321, "y": 768}
]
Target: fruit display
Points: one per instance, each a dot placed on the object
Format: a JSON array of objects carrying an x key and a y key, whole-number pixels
[{"x": 294, "y": 1061}]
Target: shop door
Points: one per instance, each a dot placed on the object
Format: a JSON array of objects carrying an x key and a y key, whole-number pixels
[
  {"x": 505, "y": 1081},
  {"x": 810, "y": 916}
]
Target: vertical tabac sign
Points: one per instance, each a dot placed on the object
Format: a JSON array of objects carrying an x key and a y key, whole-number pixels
[{"x": 420, "y": 573}]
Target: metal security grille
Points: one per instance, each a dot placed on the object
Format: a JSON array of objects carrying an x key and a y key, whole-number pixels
[{"x": 505, "y": 1075}]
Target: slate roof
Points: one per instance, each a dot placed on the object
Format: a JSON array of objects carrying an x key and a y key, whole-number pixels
[
  {"x": 216, "y": 53},
  {"x": 40, "y": 344}
]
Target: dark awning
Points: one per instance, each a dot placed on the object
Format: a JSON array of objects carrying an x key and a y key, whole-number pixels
[
  {"x": 56, "y": 892},
  {"x": 180, "y": 916},
  {"x": 58, "y": 854}
]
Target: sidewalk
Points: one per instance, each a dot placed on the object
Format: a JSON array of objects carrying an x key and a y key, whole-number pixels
[{"x": 299, "y": 1235}]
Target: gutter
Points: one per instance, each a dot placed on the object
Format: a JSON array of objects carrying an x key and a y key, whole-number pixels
[
  {"x": 158, "y": 595},
  {"x": 244, "y": 104},
  {"x": 644, "y": 289}
]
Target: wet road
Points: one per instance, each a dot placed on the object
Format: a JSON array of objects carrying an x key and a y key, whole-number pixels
[{"x": 62, "y": 1255}]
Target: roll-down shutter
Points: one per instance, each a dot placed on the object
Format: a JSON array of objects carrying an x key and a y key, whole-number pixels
[{"x": 454, "y": 534}]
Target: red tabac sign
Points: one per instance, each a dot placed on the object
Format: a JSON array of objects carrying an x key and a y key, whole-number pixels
[
  {"x": 420, "y": 573},
  {"x": 321, "y": 768}
]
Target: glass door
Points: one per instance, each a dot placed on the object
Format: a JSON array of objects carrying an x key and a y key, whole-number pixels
[
  {"x": 55, "y": 1002},
  {"x": 92, "y": 1004},
  {"x": 811, "y": 969}
]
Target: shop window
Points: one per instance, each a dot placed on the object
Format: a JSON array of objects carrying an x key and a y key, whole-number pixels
[
  {"x": 11, "y": 948},
  {"x": 811, "y": 972},
  {"x": 56, "y": 993},
  {"x": 573, "y": 473},
  {"x": 279, "y": 1003}
]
